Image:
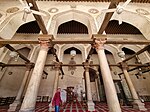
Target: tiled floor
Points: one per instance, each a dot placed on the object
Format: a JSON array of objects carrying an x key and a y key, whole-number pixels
[{"x": 78, "y": 107}]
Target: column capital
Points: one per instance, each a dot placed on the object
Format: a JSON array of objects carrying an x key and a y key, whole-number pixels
[
  {"x": 57, "y": 65},
  {"x": 99, "y": 43},
  {"x": 124, "y": 65},
  {"x": 45, "y": 41},
  {"x": 29, "y": 66},
  {"x": 86, "y": 65}
]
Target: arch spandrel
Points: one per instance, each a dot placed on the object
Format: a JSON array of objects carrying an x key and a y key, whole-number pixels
[
  {"x": 142, "y": 23},
  {"x": 75, "y": 15},
  {"x": 13, "y": 22}
]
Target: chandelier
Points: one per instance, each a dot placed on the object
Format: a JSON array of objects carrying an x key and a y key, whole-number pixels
[{"x": 72, "y": 62}]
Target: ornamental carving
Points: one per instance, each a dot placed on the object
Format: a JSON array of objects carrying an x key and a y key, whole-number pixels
[
  {"x": 53, "y": 10},
  {"x": 2, "y": 14},
  {"x": 12, "y": 10},
  {"x": 142, "y": 11},
  {"x": 93, "y": 11}
]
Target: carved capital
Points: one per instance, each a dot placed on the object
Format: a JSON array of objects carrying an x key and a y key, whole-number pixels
[
  {"x": 86, "y": 66},
  {"x": 124, "y": 65},
  {"x": 57, "y": 65},
  {"x": 45, "y": 41},
  {"x": 99, "y": 43},
  {"x": 29, "y": 66}
]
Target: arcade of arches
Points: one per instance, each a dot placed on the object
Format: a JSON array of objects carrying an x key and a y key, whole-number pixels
[{"x": 65, "y": 48}]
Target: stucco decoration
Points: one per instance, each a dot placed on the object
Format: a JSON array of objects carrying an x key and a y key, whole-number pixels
[
  {"x": 53, "y": 10},
  {"x": 142, "y": 11},
  {"x": 137, "y": 20},
  {"x": 73, "y": 6},
  {"x": 12, "y": 10},
  {"x": 2, "y": 15},
  {"x": 93, "y": 11},
  {"x": 13, "y": 22},
  {"x": 79, "y": 16}
]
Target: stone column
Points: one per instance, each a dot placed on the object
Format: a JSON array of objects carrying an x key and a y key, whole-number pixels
[
  {"x": 111, "y": 95},
  {"x": 29, "y": 101},
  {"x": 137, "y": 104},
  {"x": 90, "y": 103},
  {"x": 15, "y": 106},
  {"x": 56, "y": 80},
  {"x": 97, "y": 89}
]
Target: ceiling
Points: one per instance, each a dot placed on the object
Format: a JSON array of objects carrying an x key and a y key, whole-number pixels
[{"x": 137, "y": 1}]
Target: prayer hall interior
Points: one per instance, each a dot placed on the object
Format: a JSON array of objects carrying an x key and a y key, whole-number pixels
[{"x": 97, "y": 51}]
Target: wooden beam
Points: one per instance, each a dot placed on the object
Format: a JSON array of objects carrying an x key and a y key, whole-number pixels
[
  {"x": 48, "y": 65},
  {"x": 137, "y": 53},
  {"x": 75, "y": 41},
  {"x": 104, "y": 24},
  {"x": 38, "y": 17},
  {"x": 108, "y": 16},
  {"x": 20, "y": 55}
]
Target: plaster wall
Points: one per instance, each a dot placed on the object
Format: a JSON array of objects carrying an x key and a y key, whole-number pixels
[{"x": 12, "y": 77}]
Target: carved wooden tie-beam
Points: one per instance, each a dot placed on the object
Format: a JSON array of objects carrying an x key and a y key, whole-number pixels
[
  {"x": 48, "y": 65},
  {"x": 75, "y": 40},
  {"x": 20, "y": 55},
  {"x": 108, "y": 16},
  {"x": 38, "y": 17},
  {"x": 137, "y": 53}
]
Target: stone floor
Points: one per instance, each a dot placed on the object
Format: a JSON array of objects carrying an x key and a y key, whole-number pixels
[{"x": 78, "y": 107}]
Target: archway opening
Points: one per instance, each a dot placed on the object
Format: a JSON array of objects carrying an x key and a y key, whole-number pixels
[
  {"x": 67, "y": 51},
  {"x": 31, "y": 27},
  {"x": 128, "y": 51},
  {"x": 113, "y": 27},
  {"x": 72, "y": 27}
]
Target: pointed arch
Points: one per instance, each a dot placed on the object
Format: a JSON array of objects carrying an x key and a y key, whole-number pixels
[{"x": 78, "y": 16}]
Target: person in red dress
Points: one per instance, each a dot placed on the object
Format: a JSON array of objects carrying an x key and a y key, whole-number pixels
[{"x": 57, "y": 100}]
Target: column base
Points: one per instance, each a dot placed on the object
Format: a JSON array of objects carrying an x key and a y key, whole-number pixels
[
  {"x": 14, "y": 107},
  {"x": 91, "y": 106},
  {"x": 51, "y": 108},
  {"x": 27, "y": 110},
  {"x": 137, "y": 104}
]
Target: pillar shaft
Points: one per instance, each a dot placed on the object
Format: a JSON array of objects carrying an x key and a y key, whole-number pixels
[
  {"x": 16, "y": 104},
  {"x": 130, "y": 85},
  {"x": 29, "y": 101},
  {"x": 19, "y": 95},
  {"x": 137, "y": 104},
  {"x": 90, "y": 103},
  {"x": 97, "y": 89},
  {"x": 111, "y": 95},
  {"x": 56, "y": 80},
  {"x": 87, "y": 76}
]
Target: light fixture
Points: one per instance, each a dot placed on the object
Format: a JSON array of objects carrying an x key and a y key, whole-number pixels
[
  {"x": 138, "y": 61},
  {"x": 121, "y": 54},
  {"x": 73, "y": 53},
  {"x": 14, "y": 55},
  {"x": 72, "y": 62},
  {"x": 72, "y": 66}
]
